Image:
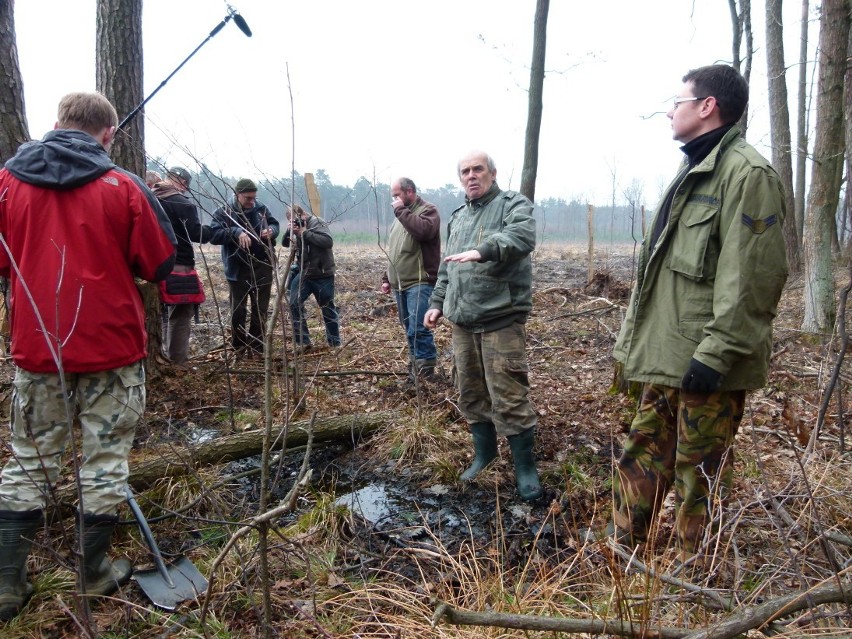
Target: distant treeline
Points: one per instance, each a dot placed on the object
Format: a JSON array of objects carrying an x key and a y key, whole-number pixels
[{"x": 362, "y": 212}]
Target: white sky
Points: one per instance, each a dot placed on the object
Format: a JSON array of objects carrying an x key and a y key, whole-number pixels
[{"x": 384, "y": 88}]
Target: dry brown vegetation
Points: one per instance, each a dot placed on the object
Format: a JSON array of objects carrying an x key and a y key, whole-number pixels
[{"x": 334, "y": 573}]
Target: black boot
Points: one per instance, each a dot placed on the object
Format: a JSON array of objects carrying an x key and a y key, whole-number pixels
[
  {"x": 102, "y": 576},
  {"x": 17, "y": 530},
  {"x": 425, "y": 368},
  {"x": 484, "y": 446},
  {"x": 526, "y": 476}
]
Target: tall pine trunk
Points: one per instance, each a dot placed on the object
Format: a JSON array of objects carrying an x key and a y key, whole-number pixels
[
  {"x": 119, "y": 78},
  {"x": 13, "y": 120}
]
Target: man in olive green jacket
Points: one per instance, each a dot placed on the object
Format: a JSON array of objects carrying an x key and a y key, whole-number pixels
[
  {"x": 698, "y": 331},
  {"x": 484, "y": 288}
]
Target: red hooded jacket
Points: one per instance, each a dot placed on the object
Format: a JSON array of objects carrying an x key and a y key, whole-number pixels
[{"x": 74, "y": 231}]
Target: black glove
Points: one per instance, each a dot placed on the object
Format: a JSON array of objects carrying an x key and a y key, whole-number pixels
[{"x": 700, "y": 378}]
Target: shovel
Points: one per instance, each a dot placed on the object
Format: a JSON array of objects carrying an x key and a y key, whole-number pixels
[{"x": 166, "y": 585}]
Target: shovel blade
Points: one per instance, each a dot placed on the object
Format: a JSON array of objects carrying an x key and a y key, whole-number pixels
[{"x": 188, "y": 584}]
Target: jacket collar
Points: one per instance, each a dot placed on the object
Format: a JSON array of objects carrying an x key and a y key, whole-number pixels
[
  {"x": 490, "y": 194},
  {"x": 704, "y": 149}
]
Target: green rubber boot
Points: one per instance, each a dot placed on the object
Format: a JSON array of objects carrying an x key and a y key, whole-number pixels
[
  {"x": 526, "y": 475},
  {"x": 17, "y": 530},
  {"x": 103, "y": 577},
  {"x": 484, "y": 447}
]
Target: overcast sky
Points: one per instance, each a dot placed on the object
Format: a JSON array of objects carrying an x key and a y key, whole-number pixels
[{"x": 384, "y": 88}]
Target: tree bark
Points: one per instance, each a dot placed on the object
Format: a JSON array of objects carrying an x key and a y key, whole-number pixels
[
  {"x": 801, "y": 127},
  {"x": 741, "y": 28},
  {"x": 536, "y": 104},
  {"x": 177, "y": 462},
  {"x": 847, "y": 106},
  {"x": 13, "y": 120},
  {"x": 827, "y": 166},
  {"x": 118, "y": 75},
  {"x": 779, "y": 125}
]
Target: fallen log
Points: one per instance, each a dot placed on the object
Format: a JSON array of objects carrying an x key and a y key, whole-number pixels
[{"x": 178, "y": 461}]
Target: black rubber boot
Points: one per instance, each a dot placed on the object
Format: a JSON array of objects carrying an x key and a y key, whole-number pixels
[
  {"x": 526, "y": 475},
  {"x": 425, "y": 368},
  {"x": 17, "y": 530},
  {"x": 484, "y": 447},
  {"x": 103, "y": 577}
]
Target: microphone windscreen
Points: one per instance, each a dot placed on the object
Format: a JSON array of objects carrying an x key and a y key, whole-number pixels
[{"x": 241, "y": 23}]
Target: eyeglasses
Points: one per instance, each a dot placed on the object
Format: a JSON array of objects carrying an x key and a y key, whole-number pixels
[{"x": 678, "y": 101}]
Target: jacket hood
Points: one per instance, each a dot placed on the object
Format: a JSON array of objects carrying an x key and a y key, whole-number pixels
[{"x": 64, "y": 159}]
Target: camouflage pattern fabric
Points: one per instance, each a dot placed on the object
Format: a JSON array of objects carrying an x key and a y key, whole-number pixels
[
  {"x": 108, "y": 406},
  {"x": 681, "y": 439},
  {"x": 492, "y": 375}
]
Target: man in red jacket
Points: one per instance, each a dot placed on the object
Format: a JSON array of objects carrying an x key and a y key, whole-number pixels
[{"x": 74, "y": 231}]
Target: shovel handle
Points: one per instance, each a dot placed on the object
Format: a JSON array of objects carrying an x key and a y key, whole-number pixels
[{"x": 149, "y": 538}]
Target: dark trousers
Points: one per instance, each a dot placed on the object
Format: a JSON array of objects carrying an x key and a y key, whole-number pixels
[
  {"x": 323, "y": 291},
  {"x": 254, "y": 288}
]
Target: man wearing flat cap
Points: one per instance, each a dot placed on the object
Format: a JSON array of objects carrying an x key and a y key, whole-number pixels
[{"x": 247, "y": 231}]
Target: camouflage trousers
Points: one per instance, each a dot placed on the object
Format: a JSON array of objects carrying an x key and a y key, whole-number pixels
[
  {"x": 492, "y": 376},
  {"x": 679, "y": 438},
  {"x": 108, "y": 405}
]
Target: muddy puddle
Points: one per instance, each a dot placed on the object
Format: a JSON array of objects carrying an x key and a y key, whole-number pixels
[{"x": 405, "y": 509}]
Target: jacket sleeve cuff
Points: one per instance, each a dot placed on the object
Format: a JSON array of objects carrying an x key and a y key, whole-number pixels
[{"x": 488, "y": 252}]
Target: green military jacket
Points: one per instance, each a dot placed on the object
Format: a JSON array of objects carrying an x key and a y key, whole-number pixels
[
  {"x": 496, "y": 291},
  {"x": 710, "y": 287}
]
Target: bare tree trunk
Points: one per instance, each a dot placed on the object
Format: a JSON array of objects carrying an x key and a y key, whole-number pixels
[
  {"x": 536, "y": 105},
  {"x": 741, "y": 28},
  {"x": 119, "y": 78},
  {"x": 825, "y": 178},
  {"x": 779, "y": 124},
  {"x": 118, "y": 75},
  {"x": 802, "y": 126},
  {"x": 13, "y": 119},
  {"x": 847, "y": 106}
]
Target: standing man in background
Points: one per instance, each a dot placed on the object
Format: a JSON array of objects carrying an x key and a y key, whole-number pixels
[
  {"x": 246, "y": 230},
  {"x": 188, "y": 229},
  {"x": 698, "y": 331},
  {"x": 484, "y": 289},
  {"x": 76, "y": 230},
  {"x": 414, "y": 253},
  {"x": 312, "y": 273}
]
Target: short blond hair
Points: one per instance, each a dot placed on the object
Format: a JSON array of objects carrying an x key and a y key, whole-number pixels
[{"x": 89, "y": 112}]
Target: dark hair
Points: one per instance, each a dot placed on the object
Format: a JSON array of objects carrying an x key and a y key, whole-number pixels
[
  {"x": 724, "y": 83},
  {"x": 407, "y": 184}
]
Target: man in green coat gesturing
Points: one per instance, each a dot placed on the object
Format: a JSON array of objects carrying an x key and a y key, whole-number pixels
[
  {"x": 484, "y": 289},
  {"x": 698, "y": 332}
]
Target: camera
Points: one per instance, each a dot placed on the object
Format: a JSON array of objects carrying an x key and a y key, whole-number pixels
[{"x": 298, "y": 221}]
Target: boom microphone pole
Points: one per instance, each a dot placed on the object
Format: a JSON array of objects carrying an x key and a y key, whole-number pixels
[{"x": 241, "y": 25}]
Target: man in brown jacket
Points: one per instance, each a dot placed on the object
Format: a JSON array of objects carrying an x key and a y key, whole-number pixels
[{"x": 414, "y": 251}]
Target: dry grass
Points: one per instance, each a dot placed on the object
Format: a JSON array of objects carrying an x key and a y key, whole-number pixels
[{"x": 786, "y": 527}]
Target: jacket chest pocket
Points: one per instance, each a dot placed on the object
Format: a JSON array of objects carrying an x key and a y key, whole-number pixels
[{"x": 693, "y": 251}]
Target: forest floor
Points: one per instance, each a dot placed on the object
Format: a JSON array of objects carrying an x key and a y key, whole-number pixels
[{"x": 382, "y": 529}]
